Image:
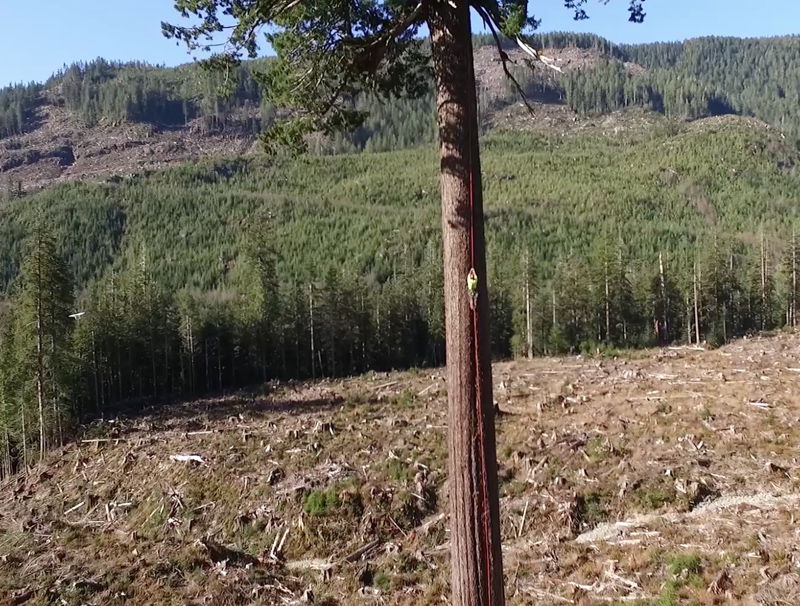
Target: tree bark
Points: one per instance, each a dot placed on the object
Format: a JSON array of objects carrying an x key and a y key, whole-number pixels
[
  {"x": 476, "y": 558},
  {"x": 528, "y": 314},
  {"x": 40, "y": 354},
  {"x": 724, "y": 323},
  {"x": 664, "y": 301},
  {"x": 311, "y": 327},
  {"x": 794, "y": 279},
  {"x": 24, "y": 439},
  {"x": 696, "y": 310},
  {"x": 763, "y": 282},
  {"x": 608, "y": 302}
]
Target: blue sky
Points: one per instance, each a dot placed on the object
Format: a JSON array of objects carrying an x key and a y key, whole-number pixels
[{"x": 39, "y": 36}]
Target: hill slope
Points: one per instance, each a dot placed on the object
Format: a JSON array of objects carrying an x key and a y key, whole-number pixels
[
  {"x": 65, "y": 137},
  {"x": 344, "y": 483},
  {"x": 662, "y": 191},
  {"x": 79, "y": 124}
]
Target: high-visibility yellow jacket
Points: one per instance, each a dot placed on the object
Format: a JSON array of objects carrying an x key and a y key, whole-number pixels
[{"x": 472, "y": 282}]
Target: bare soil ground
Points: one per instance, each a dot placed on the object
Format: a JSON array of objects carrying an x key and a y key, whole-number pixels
[
  {"x": 662, "y": 478},
  {"x": 62, "y": 149}
]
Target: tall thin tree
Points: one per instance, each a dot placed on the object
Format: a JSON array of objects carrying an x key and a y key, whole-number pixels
[{"x": 42, "y": 305}]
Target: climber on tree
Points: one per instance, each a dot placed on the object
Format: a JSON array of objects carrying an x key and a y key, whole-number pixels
[{"x": 472, "y": 287}]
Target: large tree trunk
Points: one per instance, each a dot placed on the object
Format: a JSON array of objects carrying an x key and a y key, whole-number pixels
[{"x": 477, "y": 570}]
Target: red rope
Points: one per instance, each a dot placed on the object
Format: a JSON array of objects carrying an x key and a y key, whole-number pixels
[{"x": 478, "y": 388}]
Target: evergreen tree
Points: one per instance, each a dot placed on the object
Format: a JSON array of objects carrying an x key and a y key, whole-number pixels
[
  {"x": 664, "y": 303},
  {"x": 761, "y": 305},
  {"x": 9, "y": 421},
  {"x": 40, "y": 361},
  {"x": 260, "y": 302},
  {"x": 614, "y": 305},
  {"x": 524, "y": 313},
  {"x": 789, "y": 270}
]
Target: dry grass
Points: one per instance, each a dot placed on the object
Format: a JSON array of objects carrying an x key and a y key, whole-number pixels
[{"x": 693, "y": 451}]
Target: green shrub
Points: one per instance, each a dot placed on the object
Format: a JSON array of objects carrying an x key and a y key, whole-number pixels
[{"x": 321, "y": 503}]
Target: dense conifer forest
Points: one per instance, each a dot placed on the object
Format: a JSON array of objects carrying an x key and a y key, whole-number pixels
[{"x": 211, "y": 277}]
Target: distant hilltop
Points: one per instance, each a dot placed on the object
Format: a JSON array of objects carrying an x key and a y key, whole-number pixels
[{"x": 102, "y": 118}]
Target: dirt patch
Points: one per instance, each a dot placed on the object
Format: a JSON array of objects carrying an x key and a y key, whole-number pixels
[
  {"x": 63, "y": 149},
  {"x": 667, "y": 477}
]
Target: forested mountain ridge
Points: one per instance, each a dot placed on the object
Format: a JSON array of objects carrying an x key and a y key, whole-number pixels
[{"x": 101, "y": 118}]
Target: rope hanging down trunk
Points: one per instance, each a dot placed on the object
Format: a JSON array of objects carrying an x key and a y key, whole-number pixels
[{"x": 487, "y": 532}]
